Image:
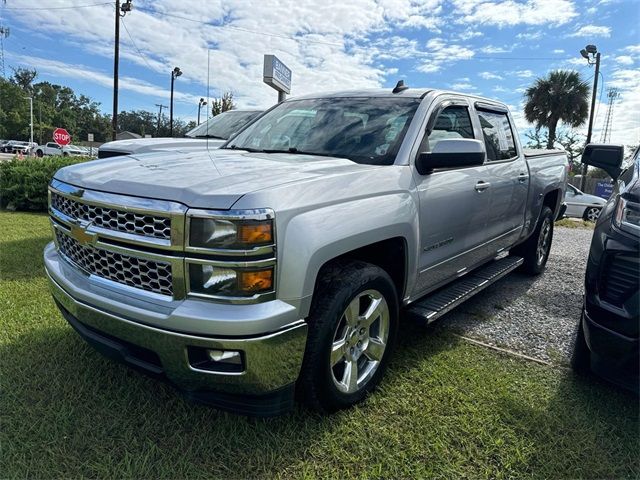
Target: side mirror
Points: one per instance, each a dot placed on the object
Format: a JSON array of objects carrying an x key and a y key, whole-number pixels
[
  {"x": 451, "y": 153},
  {"x": 607, "y": 157}
]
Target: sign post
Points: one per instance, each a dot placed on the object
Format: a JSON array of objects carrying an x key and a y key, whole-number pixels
[
  {"x": 61, "y": 137},
  {"x": 277, "y": 75}
]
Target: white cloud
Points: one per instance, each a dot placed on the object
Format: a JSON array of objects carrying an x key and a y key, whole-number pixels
[
  {"x": 495, "y": 49},
  {"x": 315, "y": 41},
  {"x": 524, "y": 73},
  {"x": 462, "y": 87},
  {"x": 509, "y": 12},
  {"x": 592, "y": 31},
  {"x": 632, "y": 49},
  {"x": 489, "y": 76},
  {"x": 558, "y": 50},
  {"x": 530, "y": 36},
  {"x": 469, "y": 33},
  {"x": 440, "y": 54},
  {"x": 625, "y": 60}
]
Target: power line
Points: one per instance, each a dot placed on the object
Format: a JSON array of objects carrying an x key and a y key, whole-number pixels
[
  {"x": 69, "y": 7},
  {"x": 135, "y": 46}
]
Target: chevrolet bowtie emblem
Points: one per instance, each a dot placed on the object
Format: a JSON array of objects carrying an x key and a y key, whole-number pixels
[{"x": 79, "y": 234}]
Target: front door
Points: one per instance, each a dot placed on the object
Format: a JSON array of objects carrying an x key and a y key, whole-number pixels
[{"x": 453, "y": 205}]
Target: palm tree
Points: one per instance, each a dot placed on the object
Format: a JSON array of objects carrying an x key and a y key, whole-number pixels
[{"x": 561, "y": 96}]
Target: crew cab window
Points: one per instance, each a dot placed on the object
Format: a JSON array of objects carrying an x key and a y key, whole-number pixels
[
  {"x": 498, "y": 135},
  {"x": 452, "y": 122},
  {"x": 362, "y": 129}
]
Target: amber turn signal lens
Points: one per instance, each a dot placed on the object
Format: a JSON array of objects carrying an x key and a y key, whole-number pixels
[
  {"x": 259, "y": 233},
  {"x": 256, "y": 281}
]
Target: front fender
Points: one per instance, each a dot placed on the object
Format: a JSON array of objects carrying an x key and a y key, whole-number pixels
[{"x": 313, "y": 238}]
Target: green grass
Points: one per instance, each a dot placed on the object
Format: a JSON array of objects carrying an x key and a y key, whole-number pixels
[
  {"x": 446, "y": 409},
  {"x": 575, "y": 223}
]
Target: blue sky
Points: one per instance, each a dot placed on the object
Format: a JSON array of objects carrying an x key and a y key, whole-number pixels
[{"x": 494, "y": 48}]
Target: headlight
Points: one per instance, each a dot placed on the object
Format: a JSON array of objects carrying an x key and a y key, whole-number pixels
[
  {"x": 627, "y": 216},
  {"x": 232, "y": 231},
  {"x": 219, "y": 280}
]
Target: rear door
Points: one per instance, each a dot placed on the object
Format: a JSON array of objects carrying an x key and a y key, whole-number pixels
[
  {"x": 453, "y": 203},
  {"x": 509, "y": 177}
]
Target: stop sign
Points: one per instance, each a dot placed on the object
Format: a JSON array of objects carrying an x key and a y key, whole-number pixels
[{"x": 61, "y": 137}]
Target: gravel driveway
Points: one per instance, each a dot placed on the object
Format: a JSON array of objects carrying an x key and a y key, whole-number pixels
[{"x": 536, "y": 316}]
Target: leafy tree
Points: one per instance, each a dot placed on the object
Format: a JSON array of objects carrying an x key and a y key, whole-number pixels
[
  {"x": 561, "y": 96},
  {"x": 24, "y": 77},
  {"x": 219, "y": 105},
  {"x": 569, "y": 140}
]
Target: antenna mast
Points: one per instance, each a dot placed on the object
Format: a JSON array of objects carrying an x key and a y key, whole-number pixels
[{"x": 612, "y": 94}]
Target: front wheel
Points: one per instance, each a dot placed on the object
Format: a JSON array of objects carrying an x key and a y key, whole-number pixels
[
  {"x": 591, "y": 214},
  {"x": 535, "y": 250},
  {"x": 352, "y": 329}
]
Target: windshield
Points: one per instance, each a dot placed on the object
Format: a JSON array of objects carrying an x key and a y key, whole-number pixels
[
  {"x": 364, "y": 130},
  {"x": 224, "y": 125}
]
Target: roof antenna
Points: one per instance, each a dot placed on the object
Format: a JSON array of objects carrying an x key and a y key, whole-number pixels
[{"x": 400, "y": 87}]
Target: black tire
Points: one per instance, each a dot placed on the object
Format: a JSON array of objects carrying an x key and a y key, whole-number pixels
[
  {"x": 591, "y": 214},
  {"x": 65, "y": 154},
  {"x": 337, "y": 285},
  {"x": 581, "y": 356},
  {"x": 39, "y": 153},
  {"x": 534, "y": 264}
]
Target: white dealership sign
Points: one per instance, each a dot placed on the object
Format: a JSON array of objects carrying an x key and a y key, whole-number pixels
[{"x": 276, "y": 74}]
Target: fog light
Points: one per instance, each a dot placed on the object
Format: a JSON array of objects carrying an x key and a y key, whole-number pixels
[
  {"x": 216, "y": 360},
  {"x": 226, "y": 356}
]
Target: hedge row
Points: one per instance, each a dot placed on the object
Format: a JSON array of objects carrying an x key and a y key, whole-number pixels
[{"x": 23, "y": 183}]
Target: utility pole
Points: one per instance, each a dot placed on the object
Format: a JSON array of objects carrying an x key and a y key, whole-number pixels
[
  {"x": 31, "y": 123},
  {"x": 175, "y": 73},
  {"x": 612, "y": 94},
  {"x": 588, "y": 52},
  {"x": 160, "y": 106},
  {"x": 121, "y": 11}
]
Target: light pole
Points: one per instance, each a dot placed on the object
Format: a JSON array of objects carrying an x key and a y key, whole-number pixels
[
  {"x": 121, "y": 11},
  {"x": 590, "y": 52},
  {"x": 31, "y": 123},
  {"x": 201, "y": 104},
  {"x": 160, "y": 106},
  {"x": 175, "y": 73}
]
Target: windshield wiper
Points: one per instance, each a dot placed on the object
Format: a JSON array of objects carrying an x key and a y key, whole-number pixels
[{"x": 217, "y": 137}]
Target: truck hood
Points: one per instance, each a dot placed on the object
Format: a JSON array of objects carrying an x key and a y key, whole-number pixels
[
  {"x": 146, "y": 145},
  {"x": 215, "y": 179}
]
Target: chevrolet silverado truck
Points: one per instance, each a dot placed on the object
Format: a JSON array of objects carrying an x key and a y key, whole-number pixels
[
  {"x": 211, "y": 134},
  {"x": 276, "y": 267}
]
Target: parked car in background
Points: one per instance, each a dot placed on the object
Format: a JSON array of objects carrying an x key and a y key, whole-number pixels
[
  {"x": 52, "y": 148},
  {"x": 16, "y": 146},
  {"x": 210, "y": 134},
  {"x": 607, "y": 339},
  {"x": 582, "y": 205},
  {"x": 281, "y": 260}
]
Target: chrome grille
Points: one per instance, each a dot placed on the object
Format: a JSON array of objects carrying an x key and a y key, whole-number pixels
[
  {"x": 136, "y": 272},
  {"x": 620, "y": 279},
  {"x": 113, "y": 219}
]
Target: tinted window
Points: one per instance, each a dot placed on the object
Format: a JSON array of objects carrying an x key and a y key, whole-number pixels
[
  {"x": 498, "y": 136},
  {"x": 364, "y": 130},
  {"x": 223, "y": 126},
  {"x": 453, "y": 122}
]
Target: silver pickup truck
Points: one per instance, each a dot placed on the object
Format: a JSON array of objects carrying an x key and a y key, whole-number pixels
[{"x": 281, "y": 265}]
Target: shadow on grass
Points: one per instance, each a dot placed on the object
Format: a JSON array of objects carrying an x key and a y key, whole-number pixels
[
  {"x": 100, "y": 414},
  {"x": 22, "y": 259}
]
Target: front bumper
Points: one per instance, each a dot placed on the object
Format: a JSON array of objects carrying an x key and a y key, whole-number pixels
[
  {"x": 271, "y": 361},
  {"x": 614, "y": 357}
]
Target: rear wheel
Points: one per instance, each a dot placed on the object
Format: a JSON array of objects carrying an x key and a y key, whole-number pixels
[
  {"x": 39, "y": 153},
  {"x": 352, "y": 329},
  {"x": 535, "y": 250},
  {"x": 591, "y": 214}
]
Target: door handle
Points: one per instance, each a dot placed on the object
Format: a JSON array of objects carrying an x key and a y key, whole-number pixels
[
  {"x": 523, "y": 177},
  {"x": 481, "y": 186}
]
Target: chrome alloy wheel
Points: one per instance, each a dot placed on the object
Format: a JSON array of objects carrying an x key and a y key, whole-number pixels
[
  {"x": 593, "y": 214},
  {"x": 544, "y": 240},
  {"x": 359, "y": 341}
]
